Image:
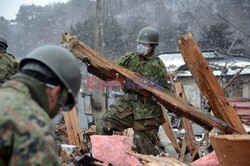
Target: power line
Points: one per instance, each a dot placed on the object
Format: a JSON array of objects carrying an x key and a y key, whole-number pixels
[
  {"x": 191, "y": 15},
  {"x": 224, "y": 19}
]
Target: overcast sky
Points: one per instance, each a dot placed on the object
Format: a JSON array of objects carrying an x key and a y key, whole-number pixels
[{"x": 9, "y": 8}]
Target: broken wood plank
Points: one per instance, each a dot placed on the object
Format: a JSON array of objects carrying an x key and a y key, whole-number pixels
[
  {"x": 183, "y": 149},
  {"x": 150, "y": 160},
  {"x": 73, "y": 128},
  {"x": 207, "y": 82},
  {"x": 187, "y": 125},
  {"x": 232, "y": 149},
  {"x": 169, "y": 130},
  {"x": 194, "y": 153},
  {"x": 172, "y": 102}
]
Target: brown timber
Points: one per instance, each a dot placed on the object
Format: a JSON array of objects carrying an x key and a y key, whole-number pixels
[
  {"x": 169, "y": 130},
  {"x": 207, "y": 82},
  {"x": 73, "y": 129},
  {"x": 187, "y": 125},
  {"x": 172, "y": 102},
  {"x": 232, "y": 149}
]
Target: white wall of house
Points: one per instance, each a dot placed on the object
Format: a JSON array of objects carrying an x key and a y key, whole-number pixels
[
  {"x": 192, "y": 91},
  {"x": 246, "y": 88}
]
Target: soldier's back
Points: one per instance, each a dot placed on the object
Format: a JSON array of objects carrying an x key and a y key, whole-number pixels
[{"x": 25, "y": 129}]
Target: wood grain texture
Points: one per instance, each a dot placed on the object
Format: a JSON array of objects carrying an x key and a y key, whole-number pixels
[{"x": 207, "y": 82}]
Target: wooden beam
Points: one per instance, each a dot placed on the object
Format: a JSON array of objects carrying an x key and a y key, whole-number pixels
[
  {"x": 73, "y": 128},
  {"x": 194, "y": 153},
  {"x": 232, "y": 149},
  {"x": 169, "y": 130},
  {"x": 172, "y": 102},
  {"x": 187, "y": 125},
  {"x": 207, "y": 82},
  {"x": 183, "y": 149}
]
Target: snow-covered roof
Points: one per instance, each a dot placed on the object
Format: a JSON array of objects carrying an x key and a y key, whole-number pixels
[{"x": 217, "y": 61}]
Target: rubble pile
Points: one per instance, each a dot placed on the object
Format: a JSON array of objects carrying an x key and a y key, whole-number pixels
[{"x": 224, "y": 128}]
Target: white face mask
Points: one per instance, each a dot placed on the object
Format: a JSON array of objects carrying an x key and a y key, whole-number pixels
[{"x": 141, "y": 49}]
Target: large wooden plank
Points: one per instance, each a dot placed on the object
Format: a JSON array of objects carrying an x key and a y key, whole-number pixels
[
  {"x": 232, "y": 149},
  {"x": 207, "y": 82},
  {"x": 73, "y": 128},
  {"x": 172, "y": 102}
]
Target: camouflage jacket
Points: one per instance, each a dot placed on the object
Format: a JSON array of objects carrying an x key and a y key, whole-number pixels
[
  {"x": 25, "y": 128},
  {"x": 8, "y": 66},
  {"x": 152, "y": 69}
]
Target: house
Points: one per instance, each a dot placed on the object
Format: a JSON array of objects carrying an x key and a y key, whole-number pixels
[
  {"x": 225, "y": 67},
  {"x": 232, "y": 72}
]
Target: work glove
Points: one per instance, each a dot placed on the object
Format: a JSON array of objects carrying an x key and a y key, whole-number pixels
[{"x": 86, "y": 61}]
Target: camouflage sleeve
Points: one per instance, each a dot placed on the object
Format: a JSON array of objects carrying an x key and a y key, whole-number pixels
[
  {"x": 8, "y": 67},
  {"x": 124, "y": 60},
  {"x": 163, "y": 75}
]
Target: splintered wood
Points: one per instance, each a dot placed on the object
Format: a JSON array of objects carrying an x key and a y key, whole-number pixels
[
  {"x": 172, "y": 102},
  {"x": 207, "y": 82},
  {"x": 232, "y": 149},
  {"x": 156, "y": 160},
  {"x": 168, "y": 129},
  {"x": 187, "y": 125},
  {"x": 73, "y": 128}
]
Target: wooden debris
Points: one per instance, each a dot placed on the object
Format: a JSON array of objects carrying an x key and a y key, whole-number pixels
[
  {"x": 183, "y": 149},
  {"x": 149, "y": 160},
  {"x": 167, "y": 99},
  {"x": 187, "y": 125},
  {"x": 61, "y": 134},
  {"x": 194, "y": 153},
  {"x": 73, "y": 128},
  {"x": 208, "y": 83},
  {"x": 168, "y": 130},
  {"x": 70, "y": 153},
  {"x": 232, "y": 149}
]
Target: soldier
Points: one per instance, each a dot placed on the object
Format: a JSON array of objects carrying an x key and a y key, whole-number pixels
[
  {"x": 8, "y": 65},
  {"x": 134, "y": 110},
  {"x": 27, "y": 102}
]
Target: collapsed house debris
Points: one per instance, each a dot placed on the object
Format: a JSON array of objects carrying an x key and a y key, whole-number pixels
[
  {"x": 166, "y": 98},
  {"x": 227, "y": 121}
]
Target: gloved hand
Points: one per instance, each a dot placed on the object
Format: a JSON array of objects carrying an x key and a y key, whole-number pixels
[{"x": 86, "y": 61}]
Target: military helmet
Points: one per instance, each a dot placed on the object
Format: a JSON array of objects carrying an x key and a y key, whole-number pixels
[
  {"x": 148, "y": 35},
  {"x": 3, "y": 41},
  {"x": 61, "y": 62}
]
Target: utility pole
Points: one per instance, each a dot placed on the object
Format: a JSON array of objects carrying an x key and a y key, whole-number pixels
[
  {"x": 100, "y": 95},
  {"x": 99, "y": 42}
]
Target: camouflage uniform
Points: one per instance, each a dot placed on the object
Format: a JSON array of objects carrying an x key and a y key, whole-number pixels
[
  {"x": 25, "y": 128},
  {"x": 141, "y": 113},
  {"x": 8, "y": 66}
]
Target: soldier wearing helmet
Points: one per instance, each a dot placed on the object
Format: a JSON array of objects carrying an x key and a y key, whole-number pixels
[
  {"x": 30, "y": 99},
  {"x": 8, "y": 65},
  {"x": 134, "y": 110}
]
